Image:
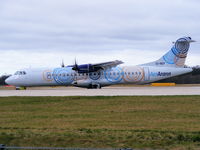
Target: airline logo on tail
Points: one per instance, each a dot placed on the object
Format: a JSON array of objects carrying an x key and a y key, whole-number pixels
[{"x": 178, "y": 53}]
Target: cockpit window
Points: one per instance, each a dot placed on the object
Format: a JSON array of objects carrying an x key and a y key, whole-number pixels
[
  {"x": 16, "y": 73},
  {"x": 20, "y": 73}
]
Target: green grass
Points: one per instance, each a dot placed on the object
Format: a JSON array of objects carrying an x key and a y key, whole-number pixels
[{"x": 170, "y": 122}]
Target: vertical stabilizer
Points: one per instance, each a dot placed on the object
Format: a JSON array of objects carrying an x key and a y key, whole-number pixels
[{"x": 176, "y": 56}]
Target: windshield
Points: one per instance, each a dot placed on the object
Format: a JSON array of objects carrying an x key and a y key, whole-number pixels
[{"x": 20, "y": 73}]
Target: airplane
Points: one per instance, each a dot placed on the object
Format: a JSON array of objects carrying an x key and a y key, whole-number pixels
[{"x": 107, "y": 73}]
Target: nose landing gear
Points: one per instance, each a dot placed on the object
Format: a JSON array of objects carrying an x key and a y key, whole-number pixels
[{"x": 20, "y": 88}]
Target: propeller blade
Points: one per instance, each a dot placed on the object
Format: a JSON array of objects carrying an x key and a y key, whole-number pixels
[
  {"x": 75, "y": 65},
  {"x": 62, "y": 64}
]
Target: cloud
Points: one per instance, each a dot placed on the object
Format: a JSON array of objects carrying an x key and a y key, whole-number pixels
[
  {"x": 24, "y": 59},
  {"x": 87, "y": 27},
  {"x": 15, "y": 60}
]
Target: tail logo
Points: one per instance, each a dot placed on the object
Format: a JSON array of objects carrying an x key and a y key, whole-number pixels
[
  {"x": 178, "y": 52},
  {"x": 181, "y": 48}
]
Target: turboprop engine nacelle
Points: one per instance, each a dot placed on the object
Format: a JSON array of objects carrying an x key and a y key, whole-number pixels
[{"x": 85, "y": 68}]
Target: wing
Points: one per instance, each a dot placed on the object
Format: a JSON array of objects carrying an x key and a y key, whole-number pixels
[
  {"x": 108, "y": 64},
  {"x": 86, "y": 68}
]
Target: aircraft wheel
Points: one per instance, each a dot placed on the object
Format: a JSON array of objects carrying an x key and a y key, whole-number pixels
[
  {"x": 98, "y": 86},
  {"x": 20, "y": 88},
  {"x": 17, "y": 88}
]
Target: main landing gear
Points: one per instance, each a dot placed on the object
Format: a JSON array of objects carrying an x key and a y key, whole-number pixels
[{"x": 94, "y": 86}]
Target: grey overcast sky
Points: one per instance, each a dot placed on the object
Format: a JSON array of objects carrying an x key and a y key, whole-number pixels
[{"x": 39, "y": 33}]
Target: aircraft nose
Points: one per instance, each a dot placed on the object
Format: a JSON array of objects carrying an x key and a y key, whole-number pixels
[{"x": 9, "y": 81}]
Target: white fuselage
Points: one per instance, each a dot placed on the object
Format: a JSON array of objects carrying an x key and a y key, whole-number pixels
[{"x": 117, "y": 75}]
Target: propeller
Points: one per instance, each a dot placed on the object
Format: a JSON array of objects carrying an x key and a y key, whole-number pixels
[
  {"x": 75, "y": 67},
  {"x": 62, "y": 64}
]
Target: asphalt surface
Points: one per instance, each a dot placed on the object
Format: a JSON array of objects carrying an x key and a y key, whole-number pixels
[{"x": 107, "y": 91}]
